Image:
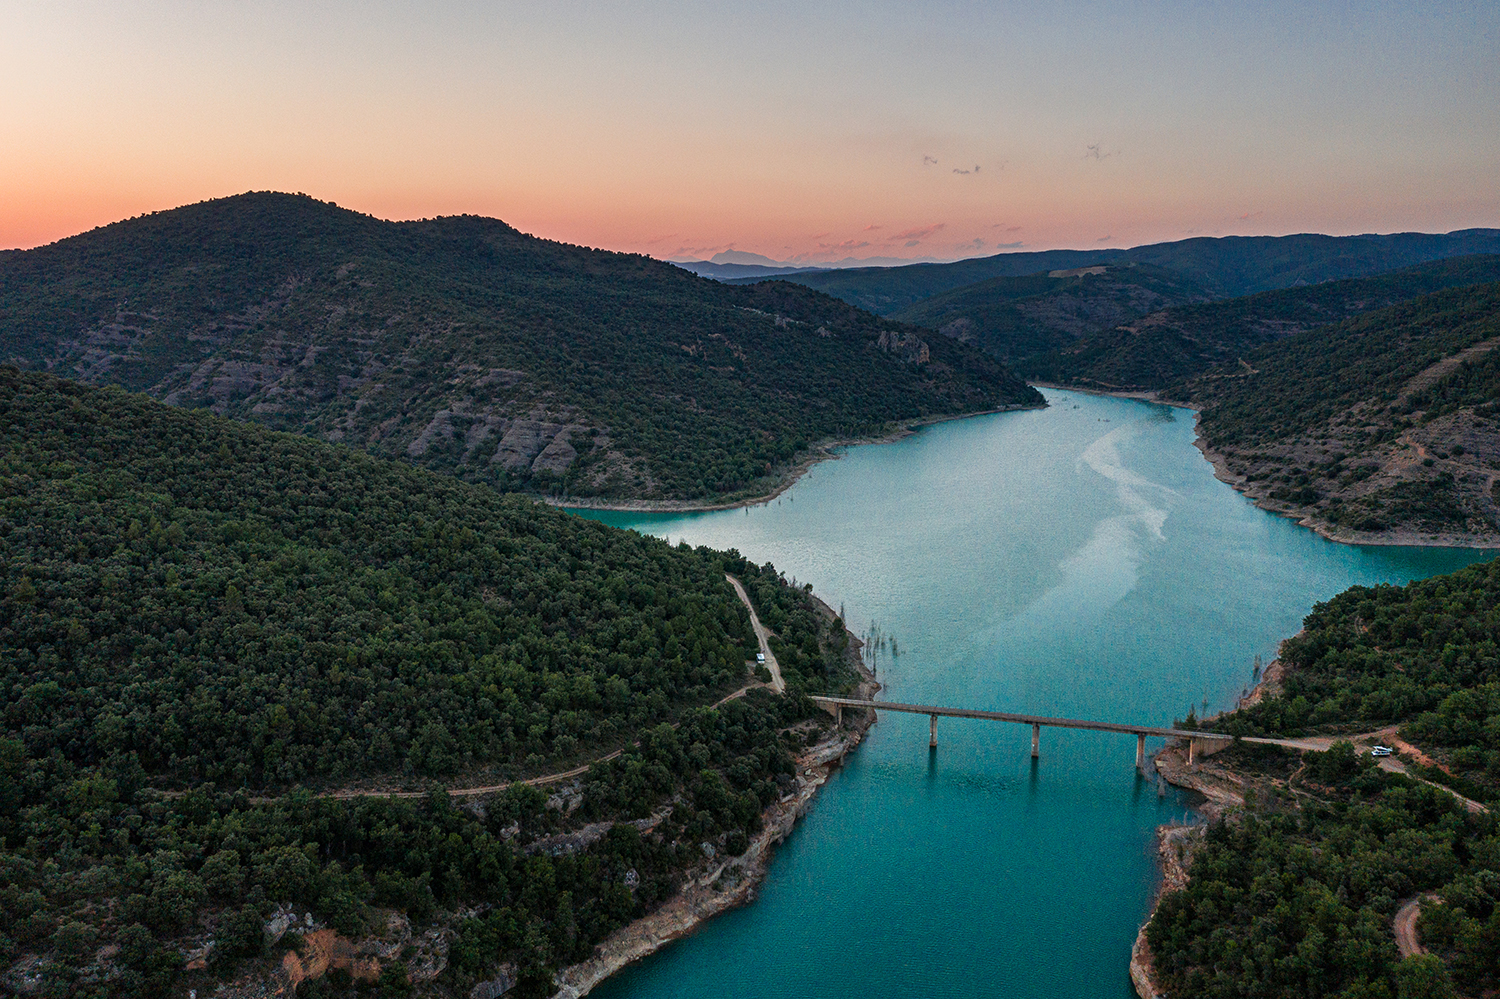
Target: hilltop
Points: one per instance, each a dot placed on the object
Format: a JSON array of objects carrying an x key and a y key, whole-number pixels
[
  {"x": 204, "y": 622},
  {"x": 465, "y": 346}
]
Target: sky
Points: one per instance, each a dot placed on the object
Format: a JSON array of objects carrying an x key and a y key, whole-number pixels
[{"x": 801, "y": 131}]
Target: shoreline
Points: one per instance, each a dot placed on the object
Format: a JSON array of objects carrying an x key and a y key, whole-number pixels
[
  {"x": 1144, "y": 395},
  {"x": 1175, "y": 841},
  {"x": 1220, "y": 792},
  {"x": 1385, "y": 539},
  {"x": 735, "y": 880},
  {"x": 819, "y": 452}
]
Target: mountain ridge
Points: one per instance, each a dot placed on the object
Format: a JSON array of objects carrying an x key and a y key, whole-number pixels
[
  {"x": 1158, "y": 350},
  {"x": 1231, "y": 266},
  {"x": 463, "y": 345}
]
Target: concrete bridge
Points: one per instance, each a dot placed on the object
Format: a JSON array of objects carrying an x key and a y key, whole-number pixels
[{"x": 1199, "y": 743}]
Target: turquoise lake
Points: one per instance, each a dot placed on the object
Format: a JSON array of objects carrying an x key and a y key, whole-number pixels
[{"x": 1080, "y": 561}]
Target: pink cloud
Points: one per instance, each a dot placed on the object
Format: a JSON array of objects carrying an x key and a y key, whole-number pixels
[{"x": 920, "y": 233}]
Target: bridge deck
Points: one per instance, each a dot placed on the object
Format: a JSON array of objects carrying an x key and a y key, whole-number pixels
[{"x": 1000, "y": 716}]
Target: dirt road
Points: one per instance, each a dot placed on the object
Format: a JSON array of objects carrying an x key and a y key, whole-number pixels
[
  {"x": 1405, "y": 925},
  {"x": 1362, "y": 743},
  {"x": 761, "y": 635}
]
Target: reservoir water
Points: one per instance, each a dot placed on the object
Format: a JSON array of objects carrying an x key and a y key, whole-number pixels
[{"x": 1079, "y": 560}]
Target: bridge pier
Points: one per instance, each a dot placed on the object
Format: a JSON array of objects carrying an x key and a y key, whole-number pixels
[
  {"x": 838, "y": 716},
  {"x": 1036, "y": 739},
  {"x": 1192, "y": 750},
  {"x": 1140, "y": 750},
  {"x": 932, "y": 742}
]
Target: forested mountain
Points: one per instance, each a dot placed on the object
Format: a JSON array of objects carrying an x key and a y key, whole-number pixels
[
  {"x": 1295, "y": 895},
  {"x": 1160, "y": 349},
  {"x": 1226, "y": 266},
  {"x": 468, "y": 347},
  {"x": 887, "y": 290},
  {"x": 201, "y": 618},
  {"x": 1380, "y": 427},
  {"x": 1024, "y": 321}
]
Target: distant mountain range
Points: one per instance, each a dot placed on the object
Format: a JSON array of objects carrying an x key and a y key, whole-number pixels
[
  {"x": 1226, "y": 267},
  {"x": 468, "y": 347},
  {"x": 729, "y": 264}
]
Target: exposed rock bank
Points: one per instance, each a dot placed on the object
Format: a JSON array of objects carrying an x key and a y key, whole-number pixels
[
  {"x": 731, "y": 881},
  {"x": 1221, "y": 789}
]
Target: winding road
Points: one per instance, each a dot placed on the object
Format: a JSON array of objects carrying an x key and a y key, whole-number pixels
[{"x": 1405, "y": 925}]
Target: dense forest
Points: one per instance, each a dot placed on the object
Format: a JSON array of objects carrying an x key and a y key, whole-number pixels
[
  {"x": 1026, "y": 321},
  {"x": 1161, "y": 350},
  {"x": 1294, "y": 896},
  {"x": 204, "y": 622},
  {"x": 465, "y": 346},
  {"x": 1379, "y": 423}
]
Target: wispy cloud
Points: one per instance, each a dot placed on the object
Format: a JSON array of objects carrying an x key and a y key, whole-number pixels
[
  {"x": 929, "y": 161},
  {"x": 916, "y": 235},
  {"x": 844, "y": 247},
  {"x": 1098, "y": 154},
  {"x": 1250, "y": 215},
  {"x": 872, "y": 227},
  {"x": 1009, "y": 246},
  {"x": 1104, "y": 239},
  {"x": 975, "y": 170},
  {"x": 700, "y": 251}
]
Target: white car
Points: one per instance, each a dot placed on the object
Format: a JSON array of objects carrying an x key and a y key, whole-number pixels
[
  {"x": 1381, "y": 751},
  {"x": 760, "y": 657}
]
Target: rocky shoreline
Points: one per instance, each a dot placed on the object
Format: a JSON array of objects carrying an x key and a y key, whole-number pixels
[
  {"x": 730, "y": 881},
  {"x": 1411, "y": 539},
  {"x": 1221, "y": 789}
]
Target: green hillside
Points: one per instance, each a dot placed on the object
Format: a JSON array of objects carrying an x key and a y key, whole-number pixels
[
  {"x": 1377, "y": 428},
  {"x": 468, "y": 347},
  {"x": 1295, "y": 894},
  {"x": 1162, "y": 348},
  {"x": 1024, "y": 320},
  {"x": 1227, "y": 266},
  {"x": 200, "y": 619}
]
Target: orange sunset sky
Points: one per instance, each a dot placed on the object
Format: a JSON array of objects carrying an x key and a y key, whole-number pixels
[{"x": 809, "y": 132}]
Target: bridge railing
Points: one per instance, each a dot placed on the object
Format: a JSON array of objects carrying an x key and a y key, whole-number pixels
[{"x": 1199, "y": 743}]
